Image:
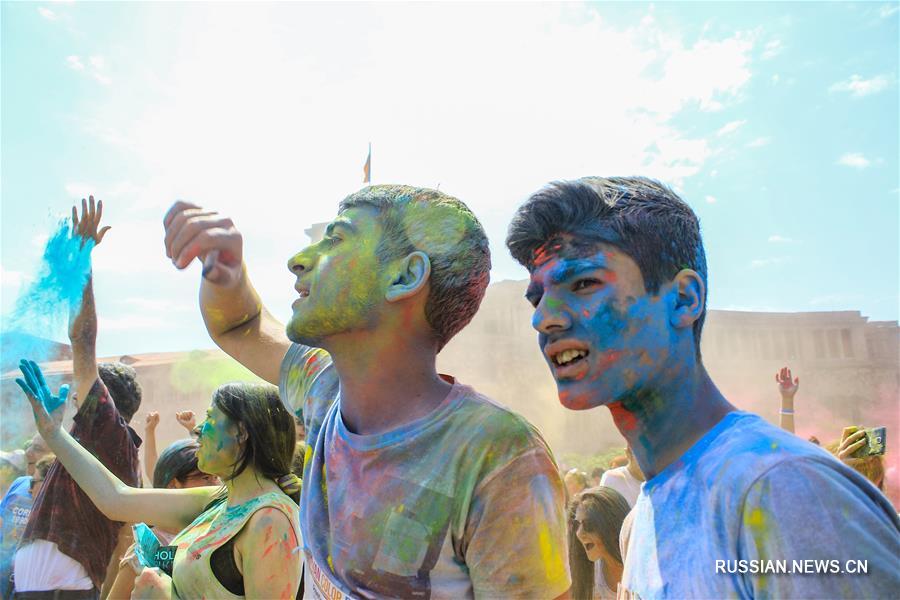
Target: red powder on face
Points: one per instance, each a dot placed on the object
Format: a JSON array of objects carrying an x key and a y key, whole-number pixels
[{"x": 543, "y": 253}]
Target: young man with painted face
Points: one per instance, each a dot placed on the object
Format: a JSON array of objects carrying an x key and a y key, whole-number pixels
[
  {"x": 414, "y": 485},
  {"x": 618, "y": 282}
]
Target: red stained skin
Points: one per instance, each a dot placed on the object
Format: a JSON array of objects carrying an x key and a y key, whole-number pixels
[{"x": 624, "y": 418}]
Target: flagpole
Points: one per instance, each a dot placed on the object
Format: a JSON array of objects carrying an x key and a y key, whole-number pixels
[{"x": 367, "y": 168}]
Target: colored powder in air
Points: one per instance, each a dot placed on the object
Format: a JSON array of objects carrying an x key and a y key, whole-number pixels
[{"x": 42, "y": 309}]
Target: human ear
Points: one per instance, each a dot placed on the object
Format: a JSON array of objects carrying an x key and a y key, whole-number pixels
[
  {"x": 409, "y": 277},
  {"x": 690, "y": 296}
]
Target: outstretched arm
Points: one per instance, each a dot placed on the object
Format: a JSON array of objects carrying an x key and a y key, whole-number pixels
[
  {"x": 83, "y": 317},
  {"x": 232, "y": 310},
  {"x": 788, "y": 388},
  {"x": 169, "y": 509}
]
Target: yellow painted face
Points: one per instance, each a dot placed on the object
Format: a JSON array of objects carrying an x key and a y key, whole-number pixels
[{"x": 340, "y": 280}]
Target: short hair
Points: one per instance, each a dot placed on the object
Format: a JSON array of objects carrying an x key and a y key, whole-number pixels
[
  {"x": 121, "y": 381},
  {"x": 641, "y": 217},
  {"x": 579, "y": 476},
  {"x": 597, "y": 472},
  {"x": 43, "y": 464},
  {"x": 177, "y": 462},
  {"x": 446, "y": 230}
]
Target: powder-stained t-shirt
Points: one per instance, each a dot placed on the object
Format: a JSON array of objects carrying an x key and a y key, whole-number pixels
[
  {"x": 464, "y": 501},
  {"x": 750, "y": 496}
]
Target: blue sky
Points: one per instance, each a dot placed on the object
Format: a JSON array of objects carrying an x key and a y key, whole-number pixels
[{"x": 777, "y": 122}]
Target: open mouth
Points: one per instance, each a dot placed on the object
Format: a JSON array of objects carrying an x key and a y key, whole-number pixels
[
  {"x": 589, "y": 547},
  {"x": 569, "y": 357}
]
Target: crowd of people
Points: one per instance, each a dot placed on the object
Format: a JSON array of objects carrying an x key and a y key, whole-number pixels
[{"x": 366, "y": 473}]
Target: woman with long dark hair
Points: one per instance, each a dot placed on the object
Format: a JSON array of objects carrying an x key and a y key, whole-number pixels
[
  {"x": 238, "y": 540},
  {"x": 595, "y": 520}
]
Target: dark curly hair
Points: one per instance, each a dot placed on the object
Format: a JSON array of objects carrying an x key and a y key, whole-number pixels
[{"x": 121, "y": 381}]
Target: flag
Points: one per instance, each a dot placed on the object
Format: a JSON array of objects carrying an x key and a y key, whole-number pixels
[{"x": 367, "y": 168}]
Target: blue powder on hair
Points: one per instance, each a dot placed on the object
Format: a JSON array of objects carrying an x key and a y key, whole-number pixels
[{"x": 41, "y": 310}]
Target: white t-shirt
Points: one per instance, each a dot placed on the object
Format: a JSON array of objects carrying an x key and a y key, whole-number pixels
[
  {"x": 602, "y": 591},
  {"x": 621, "y": 480},
  {"x": 40, "y": 566},
  {"x": 748, "y": 497}
]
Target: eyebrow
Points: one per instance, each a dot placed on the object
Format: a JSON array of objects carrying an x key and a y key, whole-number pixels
[
  {"x": 344, "y": 223},
  {"x": 563, "y": 273}
]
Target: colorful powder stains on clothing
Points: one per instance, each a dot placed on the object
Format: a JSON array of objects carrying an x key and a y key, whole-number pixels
[
  {"x": 464, "y": 501},
  {"x": 192, "y": 573}
]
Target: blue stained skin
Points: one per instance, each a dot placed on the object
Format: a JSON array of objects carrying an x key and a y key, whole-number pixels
[
  {"x": 35, "y": 385},
  {"x": 584, "y": 300}
]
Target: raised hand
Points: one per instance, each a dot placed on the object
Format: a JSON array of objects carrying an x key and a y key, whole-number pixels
[
  {"x": 192, "y": 232},
  {"x": 152, "y": 421},
  {"x": 786, "y": 385},
  {"x": 88, "y": 226},
  {"x": 47, "y": 408},
  {"x": 186, "y": 419}
]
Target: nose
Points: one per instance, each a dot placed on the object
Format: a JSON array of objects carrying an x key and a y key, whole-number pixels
[
  {"x": 301, "y": 262},
  {"x": 551, "y": 316}
]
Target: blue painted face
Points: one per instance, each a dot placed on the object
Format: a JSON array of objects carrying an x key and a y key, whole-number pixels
[{"x": 603, "y": 336}]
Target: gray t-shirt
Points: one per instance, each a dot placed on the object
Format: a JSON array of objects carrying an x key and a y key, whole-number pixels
[
  {"x": 750, "y": 496},
  {"x": 464, "y": 501}
]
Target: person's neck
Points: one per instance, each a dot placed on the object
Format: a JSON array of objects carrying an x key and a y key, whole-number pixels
[
  {"x": 662, "y": 422},
  {"x": 247, "y": 486},
  {"x": 386, "y": 381},
  {"x": 612, "y": 573}
]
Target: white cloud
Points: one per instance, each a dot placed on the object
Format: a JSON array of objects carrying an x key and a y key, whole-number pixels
[
  {"x": 772, "y": 49},
  {"x": 97, "y": 71},
  {"x": 858, "y": 87},
  {"x": 47, "y": 13},
  {"x": 759, "y": 142},
  {"x": 293, "y": 145},
  {"x": 780, "y": 239},
  {"x": 855, "y": 160},
  {"x": 730, "y": 127},
  {"x": 75, "y": 63},
  {"x": 888, "y": 10},
  {"x": 759, "y": 263},
  {"x": 711, "y": 200}
]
